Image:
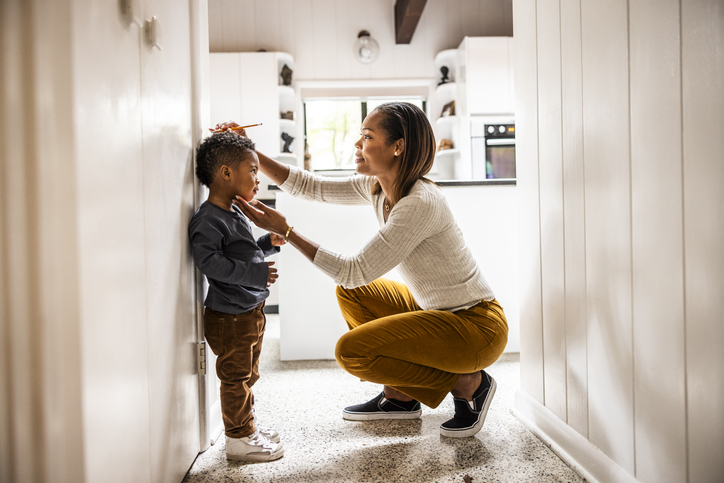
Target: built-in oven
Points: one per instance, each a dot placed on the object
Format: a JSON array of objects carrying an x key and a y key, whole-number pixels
[{"x": 492, "y": 147}]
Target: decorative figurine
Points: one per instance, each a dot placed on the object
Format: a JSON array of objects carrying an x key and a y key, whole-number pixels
[
  {"x": 444, "y": 144},
  {"x": 286, "y": 75},
  {"x": 288, "y": 138},
  {"x": 445, "y": 78}
]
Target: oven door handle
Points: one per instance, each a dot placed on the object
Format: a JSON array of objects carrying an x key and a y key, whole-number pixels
[{"x": 499, "y": 141}]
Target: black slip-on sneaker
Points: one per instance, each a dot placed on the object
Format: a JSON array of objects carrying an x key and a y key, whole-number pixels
[
  {"x": 382, "y": 408},
  {"x": 470, "y": 415}
]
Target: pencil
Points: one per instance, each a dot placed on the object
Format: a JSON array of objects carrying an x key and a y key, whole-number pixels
[{"x": 240, "y": 127}]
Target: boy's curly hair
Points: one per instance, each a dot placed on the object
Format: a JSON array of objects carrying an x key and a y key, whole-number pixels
[{"x": 219, "y": 149}]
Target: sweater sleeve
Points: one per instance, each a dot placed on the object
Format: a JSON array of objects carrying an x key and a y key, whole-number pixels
[
  {"x": 413, "y": 220},
  {"x": 351, "y": 190},
  {"x": 206, "y": 243}
]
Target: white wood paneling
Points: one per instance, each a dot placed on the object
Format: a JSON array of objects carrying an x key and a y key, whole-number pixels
[
  {"x": 168, "y": 201},
  {"x": 320, "y": 33},
  {"x": 268, "y": 15},
  {"x": 526, "y": 118},
  {"x": 702, "y": 38},
  {"x": 302, "y": 51},
  {"x": 657, "y": 242},
  {"x": 40, "y": 386},
  {"x": 551, "y": 205},
  {"x": 112, "y": 267},
  {"x": 608, "y": 228},
  {"x": 642, "y": 109},
  {"x": 573, "y": 216},
  {"x": 323, "y": 39}
]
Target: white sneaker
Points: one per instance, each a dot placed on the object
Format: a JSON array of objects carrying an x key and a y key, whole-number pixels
[{"x": 253, "y": 448}]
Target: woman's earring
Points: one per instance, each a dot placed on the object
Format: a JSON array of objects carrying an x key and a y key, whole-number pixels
[{"x": 395, "y": 153}]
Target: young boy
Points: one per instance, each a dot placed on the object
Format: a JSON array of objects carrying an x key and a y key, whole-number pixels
[{"x": 233, "y": 262}]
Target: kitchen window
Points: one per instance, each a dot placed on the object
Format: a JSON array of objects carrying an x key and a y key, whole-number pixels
[{"x": 332, "y": 126}]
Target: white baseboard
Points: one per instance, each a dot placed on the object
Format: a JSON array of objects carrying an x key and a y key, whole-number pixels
[{"x": 576, "y": 451}]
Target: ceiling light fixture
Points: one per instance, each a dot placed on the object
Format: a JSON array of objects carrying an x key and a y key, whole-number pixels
[{"x": 366, "y": 48}]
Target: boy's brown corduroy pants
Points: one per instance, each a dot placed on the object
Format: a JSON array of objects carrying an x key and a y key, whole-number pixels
[
  {"x": 421, "y": 353},
  {"x": 236, "y": 341}
]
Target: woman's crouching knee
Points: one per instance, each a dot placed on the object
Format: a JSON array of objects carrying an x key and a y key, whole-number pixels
[{"x": 348, "y": 354}]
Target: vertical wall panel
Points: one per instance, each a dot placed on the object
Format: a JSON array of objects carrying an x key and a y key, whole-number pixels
[
  {"x": 216, "y": 38},
  {"x": 573, "y": 215},
  {"x": 703, "y": 148},
  {"x": 112, "y": 270},
  {"x": 526, "y": 110},
  {"x": 608, "y": 231},
  {"x": 551, "y": 205},
  {"x": 345, "y": 35},
  {"x": 381, "y": 23},
  {"x": 323, "y": 32},
  {"x": 269, "y": 15},
  {"x": 656, "y": 210},
  {"x": 168, "y": 206},
  {"x": 286, "y": 27},
  {"x": 303, "y": 52}
]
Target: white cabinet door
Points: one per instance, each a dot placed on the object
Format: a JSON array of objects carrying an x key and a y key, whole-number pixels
[{"x": 489, "y": 75}]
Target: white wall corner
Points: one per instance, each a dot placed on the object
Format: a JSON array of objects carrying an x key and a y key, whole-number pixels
[{"x": 576, "y": 451}]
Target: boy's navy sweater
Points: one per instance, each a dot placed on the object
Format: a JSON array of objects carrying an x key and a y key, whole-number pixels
[{"x": 224, "y": 250}]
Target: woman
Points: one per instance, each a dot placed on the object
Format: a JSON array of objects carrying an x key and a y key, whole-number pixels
[{"x": 424, "y": 339}]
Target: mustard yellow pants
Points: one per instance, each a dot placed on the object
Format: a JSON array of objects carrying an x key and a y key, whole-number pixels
[{"x": 421, "y": 353}]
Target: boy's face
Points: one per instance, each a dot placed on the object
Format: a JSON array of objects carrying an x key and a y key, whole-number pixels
[{"x": 244, "y": 180}]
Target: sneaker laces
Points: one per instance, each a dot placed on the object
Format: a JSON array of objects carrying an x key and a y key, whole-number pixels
[{"x": 259, "y": 439}]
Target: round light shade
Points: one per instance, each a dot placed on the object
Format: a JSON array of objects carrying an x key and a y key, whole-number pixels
[{"x": 366, "y": 48}]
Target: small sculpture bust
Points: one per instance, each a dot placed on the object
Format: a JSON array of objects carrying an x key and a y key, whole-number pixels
[
  {"x": 288, "y": 138},
  {"x": 444, "y": 70},
  {"x": 286, "y": 75}
]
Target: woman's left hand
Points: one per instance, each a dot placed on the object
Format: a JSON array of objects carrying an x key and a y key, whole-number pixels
[{"x": 262, "y": 216}]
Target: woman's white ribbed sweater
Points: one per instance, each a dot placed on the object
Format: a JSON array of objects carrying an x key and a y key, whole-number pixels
[{"x": 420, "y": 238}]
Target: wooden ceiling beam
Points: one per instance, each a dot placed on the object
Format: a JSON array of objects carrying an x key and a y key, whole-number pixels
[{"x": 407, "y": 15}]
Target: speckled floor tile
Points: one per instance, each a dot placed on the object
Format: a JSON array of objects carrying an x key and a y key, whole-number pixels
[{"x": 303, "y": 400}]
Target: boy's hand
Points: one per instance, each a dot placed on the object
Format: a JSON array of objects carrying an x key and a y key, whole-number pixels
[
  {"x": 273, "y": 275},
  {"x": 277, "y": 240}
]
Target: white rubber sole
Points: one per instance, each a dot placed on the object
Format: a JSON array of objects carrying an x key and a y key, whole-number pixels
[
  {"x": 475, "y": 428},
  {"x": 381, "y": 415},
  {"x": 256, "y": 457}
]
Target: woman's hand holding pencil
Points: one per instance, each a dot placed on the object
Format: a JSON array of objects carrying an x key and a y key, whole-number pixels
[{"x": 224, "y": 126}]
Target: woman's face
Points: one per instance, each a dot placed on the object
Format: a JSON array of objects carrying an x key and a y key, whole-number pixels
[
  {"x": 374, "y": 157},
  {"x": 244, "y": 177}
]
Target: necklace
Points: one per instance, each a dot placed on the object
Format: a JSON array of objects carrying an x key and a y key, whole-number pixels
[{"x": 387, "y": 207}]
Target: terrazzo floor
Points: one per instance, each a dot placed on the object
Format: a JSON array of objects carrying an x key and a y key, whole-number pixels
[{"x": 303, "y": 400}]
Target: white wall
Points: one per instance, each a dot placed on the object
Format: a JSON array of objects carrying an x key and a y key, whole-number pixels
[
  {"x": 320, "y": 33},
  {"x": 99, "y": 304},
  {"x": 620, "y": 110}
]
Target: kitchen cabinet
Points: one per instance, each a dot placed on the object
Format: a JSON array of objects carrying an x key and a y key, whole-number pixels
[
  {"x": 480, "y": 83},
  {"x": 311, "y": 322},
  {"x": 248, "y": 87}
]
